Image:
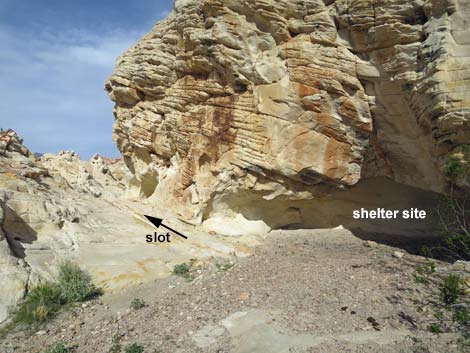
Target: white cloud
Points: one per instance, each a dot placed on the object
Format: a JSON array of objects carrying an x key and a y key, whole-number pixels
[{"x": 51, "y": 87}]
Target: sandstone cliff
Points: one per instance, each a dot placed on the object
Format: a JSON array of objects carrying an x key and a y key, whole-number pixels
[{"x": 262, "y": 111}]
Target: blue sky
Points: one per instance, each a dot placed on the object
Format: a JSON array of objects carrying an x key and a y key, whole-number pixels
[{"x": 54, "y": 60}]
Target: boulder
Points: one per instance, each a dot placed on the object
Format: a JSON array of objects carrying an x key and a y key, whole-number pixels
[{"x": 242, "y": 115}]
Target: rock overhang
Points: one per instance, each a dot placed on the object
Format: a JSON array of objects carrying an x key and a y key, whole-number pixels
[{"x": 290, "y": 100}]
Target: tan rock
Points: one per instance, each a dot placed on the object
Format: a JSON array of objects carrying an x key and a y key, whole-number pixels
[
  {"x": 398, "y": 254},
  {"x": 76, "y": 210},
  {"x": 229, "y": 101}
]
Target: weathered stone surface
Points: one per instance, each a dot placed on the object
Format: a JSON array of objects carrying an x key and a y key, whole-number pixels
[
  {"x": 227, "y": 104},
  {"x": 58, "y": 207},
  {"x": 12, "y": 273}
]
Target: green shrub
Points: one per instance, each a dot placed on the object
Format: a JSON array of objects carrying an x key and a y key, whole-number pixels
[
  {"x": 181, "y": 269},
  {"x": 455, "y": 170},
  {"x": 459, "y": 244},
  {"x": 40, "y": 304},
  {"x": 450, "y": 289},
  {"x": 459, "y": 170},
  {"x": 453, "y": 216},
  {"x": 452, "y": 211},
  {"x": 75, "y": 283},
  {"x": 435, "y": 328},
  {"x": 58, "y": 348},
  {"x": 134, "y": 348},
  {"x": 439, "y": 315},
  {"x": 424, "y": 272},
  {"x": 462, "y": 316},
  {"x": 116, "y": 348},
  {"x": 137, "y": 303},
  {"x": 45, "y": 300}
]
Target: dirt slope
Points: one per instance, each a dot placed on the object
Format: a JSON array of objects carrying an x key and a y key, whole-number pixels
[{"x": 302, "y": 291}]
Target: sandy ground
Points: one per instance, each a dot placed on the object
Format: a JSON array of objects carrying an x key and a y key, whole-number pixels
[{"x": 319, "y": 291}]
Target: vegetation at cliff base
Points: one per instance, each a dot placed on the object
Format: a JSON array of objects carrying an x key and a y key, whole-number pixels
[
  {"x": 449, "y": 297},
  {"x": 58, "y": 348},
  {"x": 181, "y": 269},
  {"x": 137, "y": 304},
  {"x": 458, "y": 169},
  {"x": 451, "y": 289},
  {"x": 453, "y": 212},
  {"x": 40, "y": 304},
  {"x": 116, "y": 347},
  {"x": 424, "y": 272},
  {"x": 75, "y": 284},
  {"x": 134, "y": 348},
  {"x": 46, "y": 300}
]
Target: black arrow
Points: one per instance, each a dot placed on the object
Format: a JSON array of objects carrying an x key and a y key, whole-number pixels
[{"x": 157, "y": 222}]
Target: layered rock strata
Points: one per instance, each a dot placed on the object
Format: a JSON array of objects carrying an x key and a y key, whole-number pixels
[{"x": 255, "y": 110}]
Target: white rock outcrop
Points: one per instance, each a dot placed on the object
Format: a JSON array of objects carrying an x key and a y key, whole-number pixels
[{"x": 58, "y": 207}]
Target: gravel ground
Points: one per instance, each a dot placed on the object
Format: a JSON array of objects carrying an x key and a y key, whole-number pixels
[{"x": 319, "y": 291}]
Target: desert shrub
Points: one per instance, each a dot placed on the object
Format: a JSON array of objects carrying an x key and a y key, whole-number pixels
[
  {"x": 116, "y": 348},
  {"x": 455, "y": 170},
  {"x": 424, "y": 272},
  {"x": 45, "y": 300},
  {"x": 134, "y": 348},
  {"x": 459, "y": 244},
  {"x": 450, "y": 289},
  {"x": 75, "y": 283},
  {"x": 453, "y": 216},
  {"x": 181, "y": 269},
  {"x": 462, "y": 316},
  {"x": 137, "y": 303},
  {"x": 435, "y": 328},
  {"x": 40, "y": 304},
  {"x": 452, "y": 211},
  {"x": 458, "y": 170},
  {"x": 447, "y": 296},
  {"x": 458, "y": 307},
  {"x": 58, "y": 348}
]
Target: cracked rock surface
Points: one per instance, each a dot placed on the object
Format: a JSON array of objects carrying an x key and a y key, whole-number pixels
[
  {"x": 226, "y": 104},
  {"x": 59, "y": 207}
]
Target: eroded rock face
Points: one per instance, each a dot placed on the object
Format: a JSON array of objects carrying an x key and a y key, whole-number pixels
[
  {"x": 227, "y": 104},
  {"x": 45, "y": 208},
  {"x": 59, "y": 207}
]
